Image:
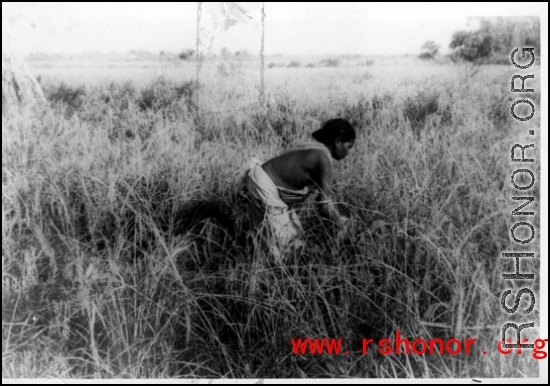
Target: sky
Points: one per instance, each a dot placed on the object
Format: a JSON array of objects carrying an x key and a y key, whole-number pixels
[{"x": 332, "y": 28}]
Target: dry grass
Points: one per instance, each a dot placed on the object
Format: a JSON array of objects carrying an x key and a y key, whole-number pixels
[{"x": 125, "y": 253}]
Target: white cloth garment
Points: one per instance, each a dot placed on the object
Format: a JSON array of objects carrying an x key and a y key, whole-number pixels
[{"x": 268, "y": 204}]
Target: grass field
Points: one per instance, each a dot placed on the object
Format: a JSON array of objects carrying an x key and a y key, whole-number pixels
[{"x": 125, "y": 252}]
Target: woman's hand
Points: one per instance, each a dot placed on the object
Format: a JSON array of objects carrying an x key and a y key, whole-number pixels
[{"x": 343, "y": 221}]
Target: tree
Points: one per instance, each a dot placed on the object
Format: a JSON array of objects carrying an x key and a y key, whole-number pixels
[
  {"x": 429, "y": 50},
  {"x": 496, "y": 38},
  {"x": 186, "y": 54},
  {"x": 19, "y": 87},
  {"x": 472, "y": 46}
]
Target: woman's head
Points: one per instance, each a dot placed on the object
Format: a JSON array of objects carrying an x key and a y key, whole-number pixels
[{"x": 338, "y": 135}]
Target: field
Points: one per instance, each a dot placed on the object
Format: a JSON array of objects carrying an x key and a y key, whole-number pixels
[{"x": 125, "y": 253}]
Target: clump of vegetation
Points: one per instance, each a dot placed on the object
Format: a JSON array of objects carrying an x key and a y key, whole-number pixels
[
  {"x": 70, "y": 97},
  {"x": 330, "y": 62},
  {"x": 162, "y": 93},
  {"x": 242, "y": 54},
  {"x": 294, "y": 64},
  {"x": 429, "y": 50},
  {"x": 494, "y": 40},
  {"x": 187, "y": 54}
]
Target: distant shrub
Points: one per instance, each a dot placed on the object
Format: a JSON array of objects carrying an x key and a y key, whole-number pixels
[
  {"x": 186, "y": 54},
  {"x": 369, "y": 63},
  {"x": 429, "y": 50},
  {"x": 496, "y": 38},
  {"x": 275, "y": 65},
  {"x": 71, "y": 96},
  {"x": 311, "y": 65},
  {"x": 242, "y": 54},
  {"x": 329, "y": 63},
  {"x": 294, "y": 64},
  {"x": 161, "y": 94}
]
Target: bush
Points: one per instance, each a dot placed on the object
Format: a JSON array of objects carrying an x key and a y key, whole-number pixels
[
  {"x": 497, "y": 37},
  {"x": 186, "y": 54},
  {"x": 294, "y": 64},
  {"x": 71, "y": 97},
  {"x": 472, "y": 46},
  {"x": 162, "y": 94},
  {"x": 329, "y": 63},
  {"x": 429, "y": 50}
]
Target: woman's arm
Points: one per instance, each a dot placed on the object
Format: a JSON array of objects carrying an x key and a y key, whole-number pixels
[{"x": 326, "y": 205}]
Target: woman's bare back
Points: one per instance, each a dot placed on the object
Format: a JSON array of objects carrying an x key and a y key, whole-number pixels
[{"x": 298, "y": 168}]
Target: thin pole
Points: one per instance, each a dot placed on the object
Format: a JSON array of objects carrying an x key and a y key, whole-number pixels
[
  {"x": 199, "y": 6},
  {"x": 262, "y": 89}
]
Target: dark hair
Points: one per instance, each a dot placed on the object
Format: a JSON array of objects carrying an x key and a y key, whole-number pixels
[{"x": 334, "y": 129}]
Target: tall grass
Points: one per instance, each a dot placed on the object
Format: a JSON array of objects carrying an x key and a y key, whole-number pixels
[{"x": 126, "y": 254}]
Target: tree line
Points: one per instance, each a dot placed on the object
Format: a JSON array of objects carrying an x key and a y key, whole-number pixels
[{"x": 492, "y": 42}]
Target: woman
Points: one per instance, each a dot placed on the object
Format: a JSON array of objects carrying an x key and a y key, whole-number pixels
[{"x": 291, "y": 178}]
